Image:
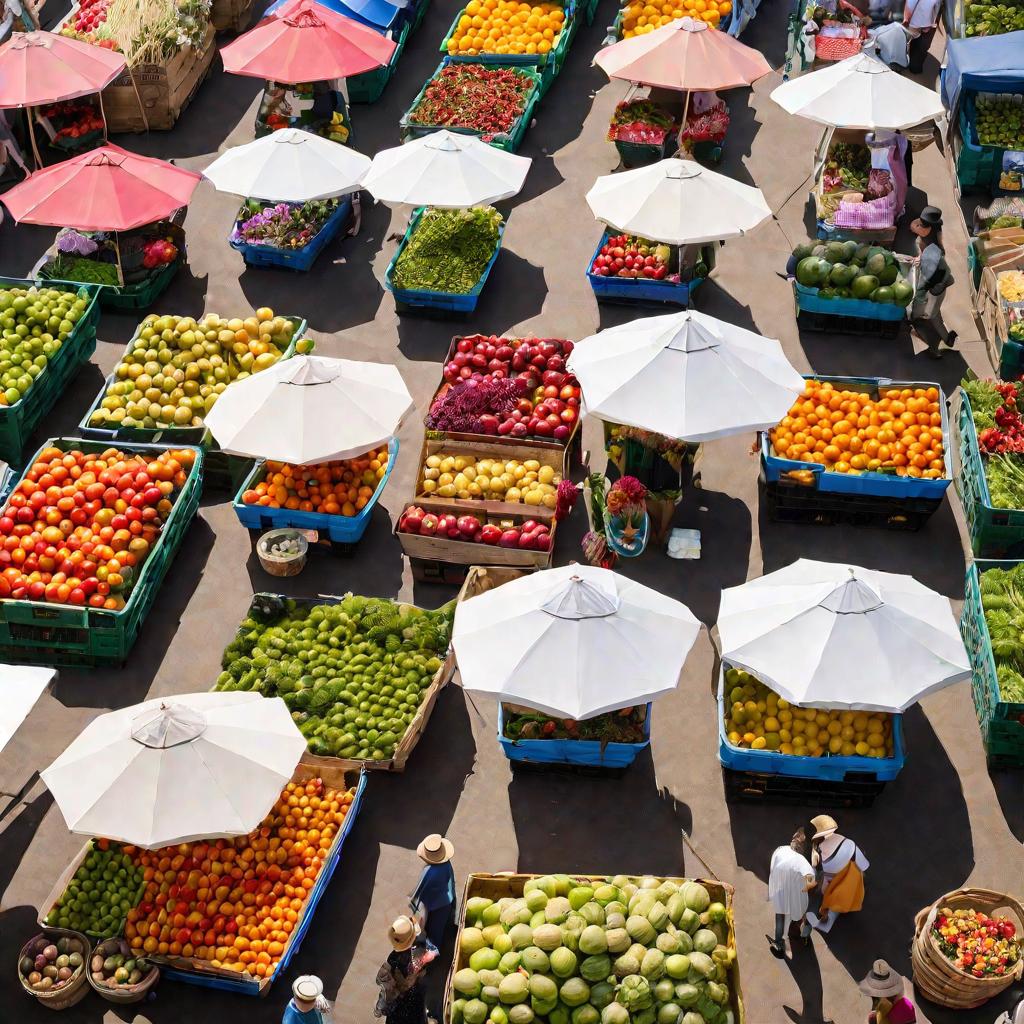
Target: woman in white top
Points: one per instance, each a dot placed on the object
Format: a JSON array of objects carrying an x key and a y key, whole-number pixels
[
  {"x": 830, "y": 853},
  {"x": 789, "y": 880}
]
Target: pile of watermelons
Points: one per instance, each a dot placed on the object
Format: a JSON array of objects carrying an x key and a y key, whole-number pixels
[{"x": 850, "y": 270}]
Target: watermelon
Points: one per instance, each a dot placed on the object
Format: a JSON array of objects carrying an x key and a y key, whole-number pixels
[
  {"x": 862, "y": 287},
  {"x": 903, "y": 293},
  {"x": 811, "y": 271},
  {"x": 841, "y": 275},
  {"x": 883, "y": 294},
  {"x": 888, "y": 274}
]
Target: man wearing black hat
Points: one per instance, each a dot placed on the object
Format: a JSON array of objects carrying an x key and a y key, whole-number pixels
[{"x": 934, "y": 278}]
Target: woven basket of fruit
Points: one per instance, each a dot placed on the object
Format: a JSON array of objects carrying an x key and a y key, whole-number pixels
[
  {"x": 118, "y": 976},
  {"x": 51, "y": 967},
  {"x": 282, "y": 552},
  {"x": 967, "y": 947}
]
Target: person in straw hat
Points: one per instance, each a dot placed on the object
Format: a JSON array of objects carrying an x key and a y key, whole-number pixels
[
  {"x": 890, "y": 995},
  {"x": 402, "y": 999},
  {"x": 435, "y": 891},
  {"x": 840, "y": 865},
  {"x": 307, "y": 1004}
]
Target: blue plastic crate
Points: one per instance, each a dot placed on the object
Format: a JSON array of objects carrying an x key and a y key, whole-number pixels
[
  {"x": 809, "y": 300},
  {"x": 341, "y": 529},
  {"x": 296, "y": 259},
  {"x": 244, "y": 984},
  {"x": 833, "y": 768},
  {"x": 637, "y": 290},
  {"x": 465, "y": 303},
  {"x": 575, "y": 752},
  {"x": 884, "y": 485}
]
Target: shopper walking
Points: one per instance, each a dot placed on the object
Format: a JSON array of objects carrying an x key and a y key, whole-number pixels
[
  {"x": 790, "y": 878},
  {"x": 920, "y": 18},
  {"x": 435, "y": 891},
  {"x": 839, "y": 865},
  {"x": 402, "y": 999},
  {"x": 891, "y": 996},
  {"x": 933, "y": 281},
  {"x": 307, "y": 1004}
]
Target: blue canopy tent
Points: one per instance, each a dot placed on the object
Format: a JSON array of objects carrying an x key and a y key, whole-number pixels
[
  {"x": 378, "y": 14},
  {"x": 983, "y": 64}
]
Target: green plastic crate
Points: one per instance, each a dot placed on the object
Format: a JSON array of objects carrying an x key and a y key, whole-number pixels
[
  {"x": 510, "y": 143},
  {"x": 1004, "y": 742},
  {"x": 19, "y": 420},
  {"x": 421, "y": 13},
  {"x": 977, "y": 166},
  {"x": 369, "y": 86},
  {"x": 995, "y": 532},
  {"x": 35, "y": 632},
  {"x": 169, "y": 436},
  {"x": 132, "y": 296},
  {"x": 1011, "y": 360}
]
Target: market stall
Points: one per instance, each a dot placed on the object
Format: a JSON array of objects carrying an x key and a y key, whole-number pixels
[
  {"x": 300, "y": 191},
  {"x": 51, "y": 617},
  {"x": 982, "y": 86},
  {"x": 664, "y": 216},
  {"x": 323, "y": 434},
  {"x": 861, "y": 161},
  {"x": 564, "y": 643},
  {"x": 675, "y": 73},
  {"x": 382, "y": 645},
  {"x": 121, "y": 209},
  {"x": 454, "y": 235},
  {"x": 57, "y": 82},
  {"x": 127, "y": 892},
  {"x": 872, "y": 475},
  {"x": 303, "y": 54},
  {"x": 678, "y": 958},
  {"x": 806, "y": 728},
  {"x": 168, "y": 47}
]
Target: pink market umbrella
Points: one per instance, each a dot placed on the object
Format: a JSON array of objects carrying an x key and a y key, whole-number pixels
[
  {"x": 685, "y": 55},
  {"x": 44, "y": 67},
  {"x": 310, "y": 43},
  {"x": 108, "y": 189}
]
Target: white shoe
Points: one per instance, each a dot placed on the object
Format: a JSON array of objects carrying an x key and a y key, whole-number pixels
[{"x": 812, "y": 919}]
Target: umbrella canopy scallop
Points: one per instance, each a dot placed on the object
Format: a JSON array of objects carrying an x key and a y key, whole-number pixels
[{"x": 177, "y": 769}]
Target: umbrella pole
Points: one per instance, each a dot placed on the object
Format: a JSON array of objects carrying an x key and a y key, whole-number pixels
[
  {"x": 32, "y": 137},
  {"x": 135, "y": 87},
  {"x": 103, "y": 115},
  {"x": 682, "y": 125}
]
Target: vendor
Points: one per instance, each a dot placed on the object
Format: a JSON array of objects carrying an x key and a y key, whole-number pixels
[
  {"x": 933, "y": 280},
  {"x": 307, "y": 1005},
  {"x": 920, "y": 18},
  {"x": 435, "y": 891}
]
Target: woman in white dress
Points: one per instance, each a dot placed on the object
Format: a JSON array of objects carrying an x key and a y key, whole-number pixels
[{"x": 790, "y": 878}]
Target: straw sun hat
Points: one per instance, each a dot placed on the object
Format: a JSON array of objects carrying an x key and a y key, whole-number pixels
[
  {"x": 882, "y": 982},
  {"x": 823, "y": 826},
  {"x": 435, "y": 849},
  {"x": 308, "y": 988},
  {"x": 402, "y": 933}
]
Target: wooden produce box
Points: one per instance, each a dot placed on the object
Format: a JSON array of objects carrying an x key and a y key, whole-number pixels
[
  {"x": 989, "y": 307},
  {"x": 231, "y": 15},
  {"x": 461, "y": 552},
  {"x": 165, "y": 89},
  {"x": 497, "y": 886},
  {"x": 546, "y": 456}
]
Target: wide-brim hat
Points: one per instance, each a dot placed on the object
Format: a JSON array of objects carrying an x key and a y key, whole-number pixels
[
  {"x": 308, "y": 987},
  {"x": 882, "y": 982},
  {"x": 402, "y": 933},
  {"x": 823, "y": 826},
  {"x": 435, "y": 849}
]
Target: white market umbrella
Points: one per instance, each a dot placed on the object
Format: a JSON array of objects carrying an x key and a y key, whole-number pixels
[
  {"x": 573, "y": 642},
  {"x": 859, "y": 92},
  {"x": 289, "y": 166},
  {"x": 446, "y": 171},
  {"x": 20, "y": 688},
  {"x": 685, "y": 375},
  {"x": 677, "y": 202},
  {"x": 177, "y": 769},
  {"x": 309, "y": 409},
  {"x": 831, "y": 635}
]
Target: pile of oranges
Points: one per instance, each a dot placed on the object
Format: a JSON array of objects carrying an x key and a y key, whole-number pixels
[
  {"x": 336, "y": 488},
  {"x": 505, "y": 26},
  {"x": 850, "y": 432},
  {"x": 234, "y": 903},
  {"x": 640, "y": 17}
]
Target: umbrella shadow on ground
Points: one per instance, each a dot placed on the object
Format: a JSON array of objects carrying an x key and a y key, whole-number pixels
[
  {"x": 713, "y": 300},
  {"x": 63, "y": 419},
  {"x": 767, "y": 33},
  {"x": 21, "y": 246},
  {"x": 1007, "y": 785},
  {"x": 373, "y": 568},
  {"x": 559, "y": 826},
  {"x": 129, "y": 684},
  {"x": 743, "y": 126},
  {"x": 896, "y": 886}
]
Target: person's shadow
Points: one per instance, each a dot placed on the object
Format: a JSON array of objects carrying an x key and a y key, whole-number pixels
[{"x": 806, "y": 973}]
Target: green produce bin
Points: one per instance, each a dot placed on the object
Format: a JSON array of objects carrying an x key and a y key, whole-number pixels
[
  {"x": 139, "y": 295},
  {"x": 19, "y": 420},
  {"x": 369, "y": 86},
  {"x": 40, "y": 633}
]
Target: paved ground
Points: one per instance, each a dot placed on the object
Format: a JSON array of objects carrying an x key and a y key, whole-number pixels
[{"x": 943, "y": 822}]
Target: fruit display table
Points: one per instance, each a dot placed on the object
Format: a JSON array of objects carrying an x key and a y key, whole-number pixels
[{"x": 27, "y": 398}]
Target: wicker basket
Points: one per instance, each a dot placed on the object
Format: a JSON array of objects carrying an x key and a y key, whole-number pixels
[
  {"x": 936, "y": 977},
  {"x": 76, "y": 989},
  {"x": 123, "y": 993},
  {"x": 282, "y": 565}
]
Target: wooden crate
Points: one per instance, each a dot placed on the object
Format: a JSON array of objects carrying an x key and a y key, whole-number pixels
[
  {"x": 554, "y": 457},
  {"x": 461, "y": 552},
  {"x": 497, "y": 886},
  {"x": 165, "y": 89},
  {"x": 989, "y": 309},
  {"x": 231, "y": 15}
]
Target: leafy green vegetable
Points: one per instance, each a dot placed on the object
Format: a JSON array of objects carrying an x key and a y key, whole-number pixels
[
  {"x": 1002, "y": 599},
  {"x": 1005, "y": 476},
  {"x": 448, "y": 251},
  {"x": 985, "y": 399}
]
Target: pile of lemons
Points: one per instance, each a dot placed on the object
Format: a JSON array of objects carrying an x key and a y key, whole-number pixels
[
  {"x": 759, "y": 719},
  {"x": 505, "y": 26}
]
